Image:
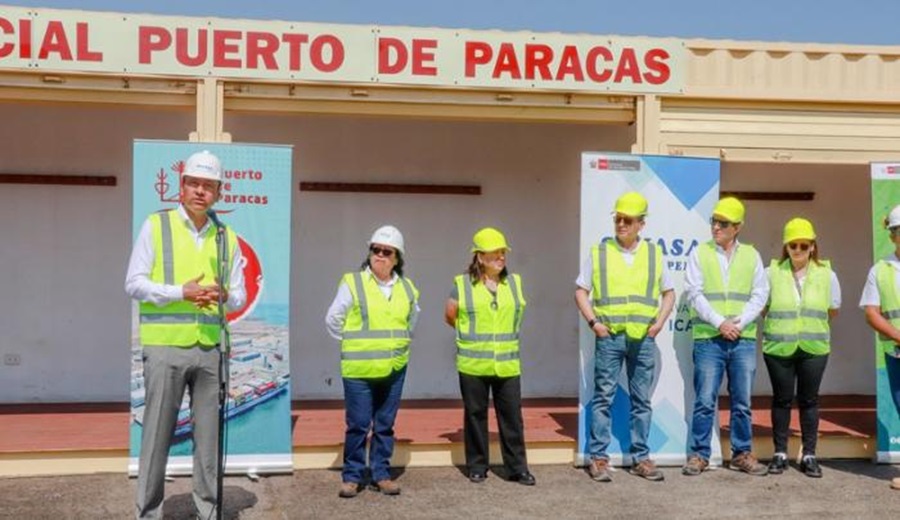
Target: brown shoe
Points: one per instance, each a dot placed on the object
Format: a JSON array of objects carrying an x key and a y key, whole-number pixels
[
  {"x": 647, "y": 469},
  {"x": 694, "y": 466},
  {"x": 349, "y": 490},
  {"x": 747, "y": 463},
  {"x": 599, "y": 470},
  {"x": 388, "y": 487}
]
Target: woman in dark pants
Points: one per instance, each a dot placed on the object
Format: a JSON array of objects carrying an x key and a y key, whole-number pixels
[
  {"x": 486, "y": 309},
  {"x": 805, "y": 296}
]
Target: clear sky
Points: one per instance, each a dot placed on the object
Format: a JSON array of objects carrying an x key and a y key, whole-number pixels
[{"x": 874, "y": 22}]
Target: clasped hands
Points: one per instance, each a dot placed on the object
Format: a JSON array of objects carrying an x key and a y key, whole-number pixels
[{"x": 203, "y": 296}]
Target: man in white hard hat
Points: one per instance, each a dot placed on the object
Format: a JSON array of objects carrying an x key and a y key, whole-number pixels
[
  {"x": 172, "y": 275},
  {"x": 881, "y": 303},
  {"x": 373, "y": 315}
]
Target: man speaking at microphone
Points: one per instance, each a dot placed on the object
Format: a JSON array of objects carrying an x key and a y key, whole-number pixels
[{"x": 172, "y": 273}]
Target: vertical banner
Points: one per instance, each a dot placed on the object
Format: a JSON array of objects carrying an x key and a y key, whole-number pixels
[
  {"x": 885, "y": 195},
  {"x": 681, "y": 192},
  {"x": 256, "y": 204}
]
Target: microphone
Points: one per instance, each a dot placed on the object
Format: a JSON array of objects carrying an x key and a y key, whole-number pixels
[{"x": 211, "y": 213}]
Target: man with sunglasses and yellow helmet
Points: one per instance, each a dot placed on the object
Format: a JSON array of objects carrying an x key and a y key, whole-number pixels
[
  {"x": 625, "y": 293},
  {"x": 881, "y": 303},
  {"x": 726, "y": 288}
]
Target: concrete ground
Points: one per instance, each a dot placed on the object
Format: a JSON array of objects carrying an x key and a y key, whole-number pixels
[{"x": 849, "y": 489}]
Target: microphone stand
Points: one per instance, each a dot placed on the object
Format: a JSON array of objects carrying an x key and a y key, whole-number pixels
[{"x": 224, "y": 374}]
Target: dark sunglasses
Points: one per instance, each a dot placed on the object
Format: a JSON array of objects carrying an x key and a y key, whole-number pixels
[
  {"x": 624, "y": 220},
  {"x": 895, "y": 230},
  {"x": 378, "y": 251},
  {"x": 795, "y": 246},
  {"x": 723, "y": 224}
]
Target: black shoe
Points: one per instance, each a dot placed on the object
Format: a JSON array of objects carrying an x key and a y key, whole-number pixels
[
  {"x": 779, "y": 464},
  {"x": 525, "y": 478},
  {"x": 477, "y": 476},
  {"x": 810, "y": 467}
]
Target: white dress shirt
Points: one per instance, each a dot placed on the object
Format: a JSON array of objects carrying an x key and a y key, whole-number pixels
[
  {"x": 585, "y": 278},
  {"x": 693, "y": 287},
  {"x": 139, "y": 286},
  {"x": 343, "y": 300},
  {"x": 870, "y": 294}
]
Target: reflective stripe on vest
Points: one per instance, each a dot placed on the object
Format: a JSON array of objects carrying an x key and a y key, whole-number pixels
[
  {"x": 368, "y": 348},
  {"x": 630, "y": 313},
  {"x": 487, "y": 327},
  {"x": 886, "y": 280},
  {"x": 728, "y": 301},
  {"x": 178, "y": 260},
  {"x": 794, "y": 323}
]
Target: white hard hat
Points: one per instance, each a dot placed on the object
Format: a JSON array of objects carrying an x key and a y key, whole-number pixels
[
  {"x": 203, "y": 165},
  {"x": 893, "y": 218},
  {"x": 389, "y": 236}
]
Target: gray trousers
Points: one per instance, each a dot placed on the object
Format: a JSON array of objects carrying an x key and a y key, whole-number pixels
[{"x": 167, "y": 372}]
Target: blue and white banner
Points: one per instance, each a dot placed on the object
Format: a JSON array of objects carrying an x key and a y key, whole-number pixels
[
  {"x": 681, "y": 192},
  {"x": 256, "y": 204}
]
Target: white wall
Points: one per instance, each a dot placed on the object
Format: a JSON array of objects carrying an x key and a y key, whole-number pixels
[
  {"x": 64, "y": 249},
  {"x": 841, "y": 214},
  {"x": 530, "y": 177}
]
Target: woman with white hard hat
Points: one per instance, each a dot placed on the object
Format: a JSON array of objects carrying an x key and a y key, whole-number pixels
[
  {"x": 881, "y": 303},
  {"x": 486, "y": 307},
  {"x": 805, "y": 296},
  {"x": 373, "y": 315}
]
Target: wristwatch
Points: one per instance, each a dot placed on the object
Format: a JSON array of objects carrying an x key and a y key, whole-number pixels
[{"x": 592, "y": 322}]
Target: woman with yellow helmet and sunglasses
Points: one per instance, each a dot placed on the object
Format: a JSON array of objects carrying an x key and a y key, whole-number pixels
[
  {"x": 805, "y": 296},
  {"x": 486, "y": 307}
]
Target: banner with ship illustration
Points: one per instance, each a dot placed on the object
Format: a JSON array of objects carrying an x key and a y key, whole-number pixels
[
  {"x": 681, "y": 192},
  {"x": 256, "y": 204}
]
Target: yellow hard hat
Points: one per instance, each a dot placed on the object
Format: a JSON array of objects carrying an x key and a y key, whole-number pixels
[
  {"x": 632, "y": 204},
  {"x": 730, "y": 208},
  {"x": 798, "y": 229},
  {"x": 488, "y": 239}
]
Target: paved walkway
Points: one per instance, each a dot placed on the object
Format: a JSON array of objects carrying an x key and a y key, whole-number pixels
[{"x": 849, "y": 490}]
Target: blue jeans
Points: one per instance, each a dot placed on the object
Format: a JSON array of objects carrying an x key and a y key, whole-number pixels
[
  {"x": 713, "y": 358},
  {"x": 639, "y": 358},
  {"x": 370, "y": 404},
  {"x": 892, "y": 366}
]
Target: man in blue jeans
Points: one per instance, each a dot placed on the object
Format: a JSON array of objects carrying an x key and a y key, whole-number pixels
[
  {"x": 881, "y": 302},
  {"x": 633, "y": 296},
  {"x": 727, "y": 288}
]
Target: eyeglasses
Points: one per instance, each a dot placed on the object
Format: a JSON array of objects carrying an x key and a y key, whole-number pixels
[
  {"x": 624, "y": 220},
  {"x": 723, "y": 224},
  {"x": 793, "y": 246},
  {"x": 379, "y": 251},
  {"x": 895, "y": 230}
]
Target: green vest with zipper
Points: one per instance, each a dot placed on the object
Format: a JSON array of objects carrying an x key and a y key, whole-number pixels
[
  {"x": 626, "y": 297},
  {"x": 793, "y": 323},
  {"x": 376, "y": 335},
  {"x": 487, "y": 327},
  {"x": 886, "y": 280},
  {"x": 179, "y": 260},
  {"x": 728, "y": 301}
]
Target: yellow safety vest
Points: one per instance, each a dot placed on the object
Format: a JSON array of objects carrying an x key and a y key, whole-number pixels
[
  {"x": 626, "y": 298},
  {"x": 376, "y": 335},
  {"x": 177, "y": 261},
  {"x": 487, "y": 327},
  {"x": 885, "y": 279},
  {"x": 727, "y": 301},
  {"x": 791, "y": 324}
]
